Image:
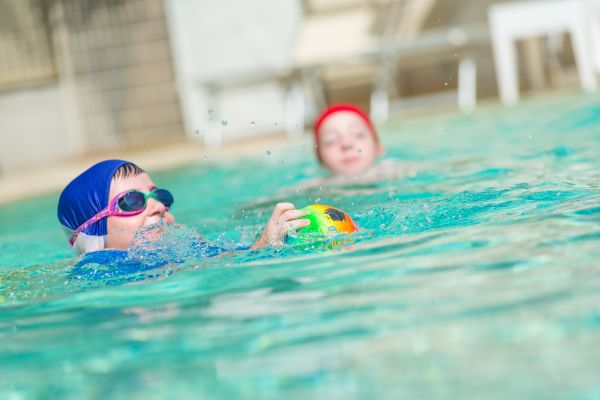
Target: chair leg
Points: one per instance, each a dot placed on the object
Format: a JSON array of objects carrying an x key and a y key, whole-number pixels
[
  {"x": 595, "y": 29},
  {"x": 505, "y": 59},
  {"x": 585, "y": 63}
]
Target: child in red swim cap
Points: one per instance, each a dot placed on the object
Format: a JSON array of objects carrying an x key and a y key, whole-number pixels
[
  {"x": 347, "y": 144},
  {"x": 345, "y": 140}
]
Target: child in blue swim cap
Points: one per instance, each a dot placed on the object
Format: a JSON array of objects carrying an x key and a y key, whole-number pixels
[{"x": 104, "y": 207}]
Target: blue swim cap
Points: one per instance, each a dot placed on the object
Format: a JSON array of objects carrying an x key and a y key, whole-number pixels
[{"x": 83, "y": 198}]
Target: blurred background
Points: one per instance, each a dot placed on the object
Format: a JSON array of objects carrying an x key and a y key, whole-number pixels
[{"x": 173, "y": 80}]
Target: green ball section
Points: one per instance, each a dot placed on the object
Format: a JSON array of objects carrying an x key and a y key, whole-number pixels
[
  {"x": 318, "y": 228},
  {"x": 318, "y": 222}
]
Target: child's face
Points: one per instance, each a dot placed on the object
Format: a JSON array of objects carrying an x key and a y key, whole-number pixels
[
  {"x": 346, "y": 144},
  {"x": 121, "y": 229}
]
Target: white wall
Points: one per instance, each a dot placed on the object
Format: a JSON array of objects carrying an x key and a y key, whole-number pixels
[
  {"x": 32, "y": 128},
  {"x": 214, "y": 40}
]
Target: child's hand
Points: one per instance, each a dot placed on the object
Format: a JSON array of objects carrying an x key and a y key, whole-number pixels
[{"x": 285, "y": 218}]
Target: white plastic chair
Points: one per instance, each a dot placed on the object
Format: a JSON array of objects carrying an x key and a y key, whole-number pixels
[{"x": 510, "y": 22}]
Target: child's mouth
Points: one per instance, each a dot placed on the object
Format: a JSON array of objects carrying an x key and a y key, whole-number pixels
[{"x": 350, "y": 160}]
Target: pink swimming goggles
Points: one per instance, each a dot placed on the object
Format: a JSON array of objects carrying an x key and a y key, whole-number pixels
[{"x": 126, "y": 204}]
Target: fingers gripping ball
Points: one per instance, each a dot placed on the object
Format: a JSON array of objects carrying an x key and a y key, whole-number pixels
[{"x": 324, "y": 221}]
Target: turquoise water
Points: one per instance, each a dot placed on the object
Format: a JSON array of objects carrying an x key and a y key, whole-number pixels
[{"x": 476, "y": 278}]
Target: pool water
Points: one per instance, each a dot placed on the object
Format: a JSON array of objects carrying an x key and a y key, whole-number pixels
[{"x": 476, "y": 277}]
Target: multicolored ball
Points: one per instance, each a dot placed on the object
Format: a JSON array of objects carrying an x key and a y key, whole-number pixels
[{"x": 325, "y": 221}]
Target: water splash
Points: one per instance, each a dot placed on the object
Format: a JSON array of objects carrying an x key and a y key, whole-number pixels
[{"x": 164, "y": 242}]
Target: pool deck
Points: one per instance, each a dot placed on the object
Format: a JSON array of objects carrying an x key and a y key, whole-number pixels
[{"x": 51, "y": 179}]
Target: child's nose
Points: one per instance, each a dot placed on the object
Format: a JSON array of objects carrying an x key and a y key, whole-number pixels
[
  {"x": 155, "y": 207},
  {"x": 347, "y": 144}
]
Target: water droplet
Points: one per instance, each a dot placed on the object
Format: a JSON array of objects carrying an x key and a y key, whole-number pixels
[
  {"x": 205, "y": 158},
  {"x": 224, "y": 122},
  {"x": 197, "y": 132},
  {"x": 252, "y": 123},
  {"x": 445, "y": 83},
  {"x": 275, "y": 123},
  {"x": 268, "y": 152}
]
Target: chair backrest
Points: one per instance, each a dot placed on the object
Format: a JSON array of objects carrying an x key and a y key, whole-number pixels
[
  {"x": 325, "y": 6},
  {"x": 334, "y": 36},
  {"x": 551, "y": 16},
  {"x": 346, "y": 29}
]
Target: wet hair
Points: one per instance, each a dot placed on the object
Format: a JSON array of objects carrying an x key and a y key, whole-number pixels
[{"x": 127, "y": 170}]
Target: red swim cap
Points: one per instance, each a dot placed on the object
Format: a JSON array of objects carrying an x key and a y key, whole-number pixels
[{"x": 334, "y": 108}]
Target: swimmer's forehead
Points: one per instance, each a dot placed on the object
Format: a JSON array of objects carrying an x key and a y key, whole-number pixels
[
  {"x": 141, "y": 182},
  {"x": 342, "y": 121}
]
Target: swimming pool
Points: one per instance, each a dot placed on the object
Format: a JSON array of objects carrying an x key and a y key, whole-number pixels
[{"x": 476, "y": 278}]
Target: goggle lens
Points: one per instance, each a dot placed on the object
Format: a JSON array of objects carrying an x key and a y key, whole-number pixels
[
  {"x": 132, "y": 201},
  {"x": 164, "y": 196},
  {"x": 135, "y": 201}
]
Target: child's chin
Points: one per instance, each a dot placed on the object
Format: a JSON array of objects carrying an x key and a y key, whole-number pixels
[{"x": 354, "y": 171}]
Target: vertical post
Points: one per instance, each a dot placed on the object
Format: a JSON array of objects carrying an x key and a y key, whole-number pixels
[
  {"x": 467, "y": 85},
  {"x": 380, "y": 105},
  {"x": 380, "y": 99}
]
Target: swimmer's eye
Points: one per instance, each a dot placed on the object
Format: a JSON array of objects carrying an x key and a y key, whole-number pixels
[
  {"x": 360, "y": 134},
  {"x": 328, "y": 140}
]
